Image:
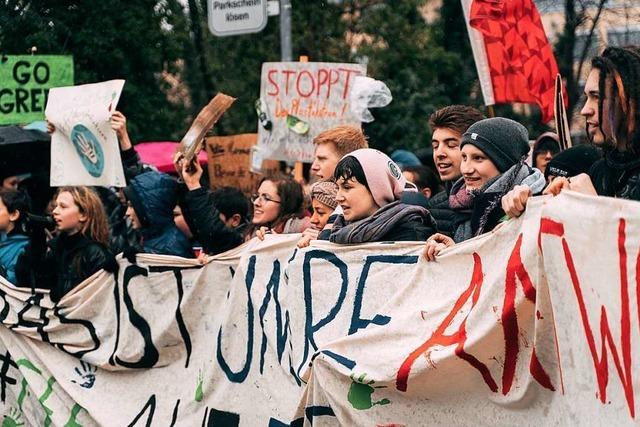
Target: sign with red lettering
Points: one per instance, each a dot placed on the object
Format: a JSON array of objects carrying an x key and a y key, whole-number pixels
[
  {"x": 300, "y": 100},
  {"x": 25, "y": 81}
]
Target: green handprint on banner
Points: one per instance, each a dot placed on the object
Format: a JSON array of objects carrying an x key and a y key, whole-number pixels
[
  {"x": 360, "y": 393},
  {"x": 13, "y": 419}
]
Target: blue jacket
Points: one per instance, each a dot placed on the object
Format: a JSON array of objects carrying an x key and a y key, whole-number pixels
[
  {"x": 11, "y": 246},
  {"x": 153, "y": 196}
]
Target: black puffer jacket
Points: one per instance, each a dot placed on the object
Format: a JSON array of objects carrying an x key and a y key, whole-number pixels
[
  {"x": 69, "y": 261},
  {"x": 204, "y": 221},
  {"x": 447, "y": 219},
  {"x": 414, "y": 230},
  {"x": 617, "y": 175}
]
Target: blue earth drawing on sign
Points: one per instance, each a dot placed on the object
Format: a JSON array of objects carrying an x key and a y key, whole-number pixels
[{"x": 89, "y": 150}]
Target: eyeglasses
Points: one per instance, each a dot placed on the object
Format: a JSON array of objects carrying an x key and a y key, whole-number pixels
[{"x": 263, "y": 198}]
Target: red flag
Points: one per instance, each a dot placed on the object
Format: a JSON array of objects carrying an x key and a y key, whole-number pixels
[{"x": 521, "y": 60}]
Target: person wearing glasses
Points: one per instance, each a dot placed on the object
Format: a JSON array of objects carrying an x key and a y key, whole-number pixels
[{"x": 277, "y": 207}]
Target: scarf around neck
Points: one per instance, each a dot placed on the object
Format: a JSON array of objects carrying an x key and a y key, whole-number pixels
[
  {"x": 376, "y": 226},
  {"x": 465, "y": 201}
]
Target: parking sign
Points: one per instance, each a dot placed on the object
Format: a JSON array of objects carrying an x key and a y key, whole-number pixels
[{"x": 232, "y": 17}]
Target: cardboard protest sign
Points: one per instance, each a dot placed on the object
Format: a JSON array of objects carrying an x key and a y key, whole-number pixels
[
  {"x": 301, "y": 100},
  {"x": 25, "y": 81},
  {"x": 84, "y": 148},
  {"x": 516, "y": 327},
  {"x": 191, "y": 143},
  {"x": 229, "y": 159}
]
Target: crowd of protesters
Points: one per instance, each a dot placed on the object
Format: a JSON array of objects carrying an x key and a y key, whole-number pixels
[{"x": 478, "y": 177}]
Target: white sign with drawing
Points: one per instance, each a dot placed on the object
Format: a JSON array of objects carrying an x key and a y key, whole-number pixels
[{"x": 84, "y": 148}]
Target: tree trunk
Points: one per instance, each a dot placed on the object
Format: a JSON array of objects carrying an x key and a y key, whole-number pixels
[{"x": 201, "y": 57}]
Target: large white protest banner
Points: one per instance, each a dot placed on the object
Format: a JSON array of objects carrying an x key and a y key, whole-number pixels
[
  {"x": 535, "y": 323},
  {"x": 84, "y": 148},
  {"x": 302, "y": 99}
]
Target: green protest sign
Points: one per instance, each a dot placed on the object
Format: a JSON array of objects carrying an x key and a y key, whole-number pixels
[{"x": 25, "y": 81}]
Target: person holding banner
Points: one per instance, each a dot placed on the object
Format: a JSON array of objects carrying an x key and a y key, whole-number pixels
[
  {"x": 370, "y": 188},
  {"x": 217, "y": 220},
  {"x": 493, "y": 154},
  {"x": 323, "y": 202},
  {"x": 78, "y": 251},
  {"x": 447, "y": 126},
  {"x": 612, "y": 114},
  {"x": 277, "y": 207},
  {"x": 151, "y": 197}
]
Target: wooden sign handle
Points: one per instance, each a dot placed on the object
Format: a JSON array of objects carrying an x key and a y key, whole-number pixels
[{"x": 298, "y": 172}]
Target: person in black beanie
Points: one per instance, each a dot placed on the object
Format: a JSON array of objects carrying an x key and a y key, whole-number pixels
[
  {"x": 572, "y": 161},
  {"x": 493, "y": 154}
]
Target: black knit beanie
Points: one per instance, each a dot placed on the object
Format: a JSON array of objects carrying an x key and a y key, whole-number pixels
[
  {"x": 573, "y": 161},
  {"x": 504, "y": 141}
]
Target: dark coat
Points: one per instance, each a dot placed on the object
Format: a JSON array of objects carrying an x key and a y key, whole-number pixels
[
  {"x": 447, "y": 219},
  {"x": 417, "y": 230},
  {"x": 204, "y": 221},
  {"x": 69, "y": 261},
  {"x": 617, "y": 175},
  {"x": 153, "y": 196},
  {"x": 131, "y": 164}
]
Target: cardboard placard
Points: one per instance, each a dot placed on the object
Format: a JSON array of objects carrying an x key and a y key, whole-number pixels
[
  {"x": 229, "y": 162},
  {"x": 192, "y": 141}
]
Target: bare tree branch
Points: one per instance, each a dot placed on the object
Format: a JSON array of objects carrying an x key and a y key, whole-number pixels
[{"x": 587, "y": 44}]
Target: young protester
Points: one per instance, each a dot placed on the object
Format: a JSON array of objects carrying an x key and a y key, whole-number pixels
[
  {"x": 14, "y": 206},
  {"x": 447, "y": 126},
  {"x": 151, "y": 197},
  {"x": 370, "y": 186},
  {"x": 424, "y": 179},
  {"x": 332, "y": 145},
  {"x": 493, "y": 153},
  {"x": 216, "y": 219},
  {"x": 544, "y": 149},
  {"x": 323, "y": 202},
  {"x": 572, "y": 161},
  {"x": 277, "y": 207},
  {"x": 612, "y": 115},
  {"x": 77, "y": 252}
]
